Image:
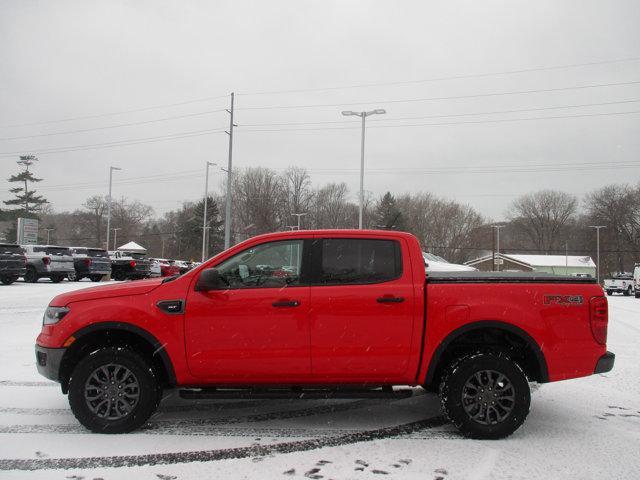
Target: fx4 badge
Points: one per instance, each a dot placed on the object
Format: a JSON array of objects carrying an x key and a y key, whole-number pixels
[{"x": 563, "y": 300}]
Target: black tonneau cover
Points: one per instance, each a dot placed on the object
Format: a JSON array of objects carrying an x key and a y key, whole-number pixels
[{"x": 503, "y": 277}]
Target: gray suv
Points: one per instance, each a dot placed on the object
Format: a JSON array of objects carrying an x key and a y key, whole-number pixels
[{"x": 48, "y": 261}]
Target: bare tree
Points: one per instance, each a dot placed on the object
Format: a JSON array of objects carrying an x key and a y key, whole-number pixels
[
  {"x": 543, "y": 218},
  {"x": 331, "y": 208},
  {"x": 443, "y": 227},
  {"x": 259, "y": 201},
  {"x": 617, "y": 207},
  {"x": 297, "y": 189}
]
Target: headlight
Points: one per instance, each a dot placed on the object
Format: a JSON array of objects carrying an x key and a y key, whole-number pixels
[{"x": 54, "y": 315}]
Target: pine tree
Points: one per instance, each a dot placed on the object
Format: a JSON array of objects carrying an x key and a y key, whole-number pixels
[
  {"x": 29, "y": 203},
  {"x": 387, "y": 214}
]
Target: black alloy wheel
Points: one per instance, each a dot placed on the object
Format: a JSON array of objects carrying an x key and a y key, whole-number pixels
[
  {"x": 485, "y": 394},
  {"x": 113, "y": 390}
]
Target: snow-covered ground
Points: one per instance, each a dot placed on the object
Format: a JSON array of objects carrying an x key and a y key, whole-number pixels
[{"x": 587, "y": 428}]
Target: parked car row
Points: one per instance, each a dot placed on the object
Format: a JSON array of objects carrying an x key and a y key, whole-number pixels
[{"x": 33, "y": 262}]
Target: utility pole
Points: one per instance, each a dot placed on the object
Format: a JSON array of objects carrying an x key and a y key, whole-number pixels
[
  {"x": 204, "y": 215},
  {"x": 115, "y": 238},
  {"x": 111, "y": 169},
  {"x": 597, "y": 227},
  {"x": 363, "y": 115},
  {"x": 496, "y": 259},
  {"x": 298, "y": 215},
  {"x": 566, "y": 258},
  {"x": 49, "y": 230},
  {"x": 227, "y": 212}
]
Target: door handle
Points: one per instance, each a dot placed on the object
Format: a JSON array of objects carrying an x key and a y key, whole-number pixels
[
  {"x": 286, "y": 303},
  {"x": 390, "y": 299}
]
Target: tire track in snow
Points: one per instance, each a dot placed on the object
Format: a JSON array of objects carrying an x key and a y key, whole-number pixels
[
  {"x": 221, "y": 454},
  {"x": 14, "y": 383},
  {"x": 204, "y": 407},
  {"x": 199, "y": 425}
]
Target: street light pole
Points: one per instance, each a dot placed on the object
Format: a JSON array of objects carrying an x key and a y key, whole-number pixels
[
  {"x": 115, "y": 238},
  {"x": 298, "y": 215},
  {"x": 497, "y": 227},
  {"x": 49, "y": 230},
  {"x": 363, "y": 115},
  {"x": 204, "y": 215},
  {"x": 111, "y": 169},
  {"x": 597, "y": 227}
]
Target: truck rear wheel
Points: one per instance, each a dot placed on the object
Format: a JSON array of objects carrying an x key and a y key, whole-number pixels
[
  {"x": 56, "y": 278},
  {"x": 485, "y": 395},
  {"x": 8, "y": 280},
  {"x": 95, "y": 278},
  {"x": 31, "y": 276},
  {"x": 113, "y": 390}
]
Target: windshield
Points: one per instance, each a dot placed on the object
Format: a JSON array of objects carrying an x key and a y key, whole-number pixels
[{"x": 97, "y": 252}]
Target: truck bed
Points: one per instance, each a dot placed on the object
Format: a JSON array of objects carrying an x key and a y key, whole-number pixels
[{"x": 504, "y": 277}]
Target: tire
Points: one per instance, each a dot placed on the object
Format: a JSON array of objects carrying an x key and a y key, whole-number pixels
[
  {"x": 119, "y": 275},
  {"x": 8, "y": 280},
  {"x": 73, "y": 277},
  {"x": 485, "y": 369},
  {"x": 609, "y": 293},
  {"x": 637, "y": 294},
  {"x": 31, "y": 276},
  {"x": 95, "y": 278},
  {"x": 92, "y": 412},
  {"x": 627, "y": 292},
  {"x": 56, "y": 278}
]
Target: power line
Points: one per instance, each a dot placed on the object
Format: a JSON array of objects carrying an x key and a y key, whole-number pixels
[
  {"x": 109, "y": 114},
  {"x": 439, "y": 79},
  {"x": 211, "y": 131},
  {"x": 494, "y": 112},
  {"x": 118, "y": 143},
  {"x": 470, "y": 122},
  {"x": 144, "y": 122},
  {"x": 454, "y": 97}
]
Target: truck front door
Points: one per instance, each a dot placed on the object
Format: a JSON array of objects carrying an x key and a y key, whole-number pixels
[{"x": 256, "y": 328}]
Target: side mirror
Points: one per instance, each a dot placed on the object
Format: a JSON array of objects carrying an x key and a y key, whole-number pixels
[{"x": 210, "y": 279}]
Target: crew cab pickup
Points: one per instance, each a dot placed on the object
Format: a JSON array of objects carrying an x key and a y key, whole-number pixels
[
  {"x": 327, "y": 313},
  {"x": 129, "y": 265}
]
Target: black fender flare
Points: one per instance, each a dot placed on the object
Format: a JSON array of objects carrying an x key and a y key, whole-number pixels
[
  {"x": 144, "y": 334},
  {"x": 533, "y": 345}
]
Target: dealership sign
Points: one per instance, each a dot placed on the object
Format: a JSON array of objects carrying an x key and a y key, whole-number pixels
[{"x": 27, "y": 231}]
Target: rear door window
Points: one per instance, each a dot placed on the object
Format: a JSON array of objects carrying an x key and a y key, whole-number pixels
[{"x": 352, "y": 261}]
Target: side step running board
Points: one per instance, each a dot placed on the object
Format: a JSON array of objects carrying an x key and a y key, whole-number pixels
[{"x": 300, "y": 393}]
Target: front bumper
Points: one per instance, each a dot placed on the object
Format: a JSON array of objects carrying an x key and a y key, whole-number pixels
[
  {"x": 605, "y": 363},
  {"x": 48, "y": 361}
]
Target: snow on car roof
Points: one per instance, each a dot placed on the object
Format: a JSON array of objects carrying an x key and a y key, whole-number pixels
[{"x": 553, "y": 260}]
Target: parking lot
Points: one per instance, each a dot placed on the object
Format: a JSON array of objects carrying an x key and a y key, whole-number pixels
[{"x": 584, "y": 428}]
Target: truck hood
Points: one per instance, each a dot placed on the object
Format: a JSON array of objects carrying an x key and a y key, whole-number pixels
[{"x": 138, "y": 287}]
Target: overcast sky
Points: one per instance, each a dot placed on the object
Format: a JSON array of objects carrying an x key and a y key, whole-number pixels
[{"x": 118, "y": 64}]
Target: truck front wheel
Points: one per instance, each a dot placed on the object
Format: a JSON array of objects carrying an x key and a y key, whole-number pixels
[
  {"x": 485, "y": 395},
  {"x": 113, "y": 390}
]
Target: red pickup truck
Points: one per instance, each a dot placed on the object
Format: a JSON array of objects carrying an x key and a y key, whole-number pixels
[{"x": 328, "y": 313}]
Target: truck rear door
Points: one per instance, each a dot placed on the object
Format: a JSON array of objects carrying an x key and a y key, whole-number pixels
[{"x": 361, "y": 316}]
